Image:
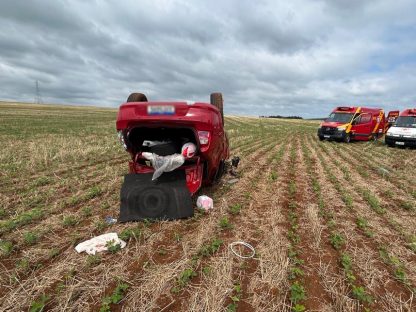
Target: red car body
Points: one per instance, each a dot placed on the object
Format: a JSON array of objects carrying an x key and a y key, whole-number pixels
[
  {"x": 353, "y": 123},
  {"x": 200, "y": 123}
]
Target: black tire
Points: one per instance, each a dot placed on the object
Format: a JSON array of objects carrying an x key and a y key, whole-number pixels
[
  {"x": 137, "y": 97},
  {"x": 347, "y": 138},
  {"x": 217, "y": 101},
  {"x": 220, "y": 172},
  {"x": 321, "y": 138}
]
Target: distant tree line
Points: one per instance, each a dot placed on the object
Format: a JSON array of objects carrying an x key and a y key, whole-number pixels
[{"x": 285, "y": 117}]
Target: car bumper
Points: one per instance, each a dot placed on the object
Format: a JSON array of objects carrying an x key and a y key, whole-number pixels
[
  {"x": 338, "y": 135},
  {"x": 398, "y": 141}
]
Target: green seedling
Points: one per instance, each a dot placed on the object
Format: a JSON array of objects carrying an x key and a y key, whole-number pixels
[
  {"x": 183, "y": 280},
  {"x": 93, "y": 192},
  {"x": 112, "y": 246},
  {"x": 54, "y": 252},
  {"x": 177, "y": 237},
  {"x": 406, "y": 205},
  {"x": 211, "y": 248},
  {"x": 117, "y": 295},
  {"x": 86, "y": 211},
  {"x": 297, "y": 292},
  {"x": 373, "y": 202},
  {"x": 39, "y": 305},
  {"x": 292, "y": 188},
  {"x": 206, "y": 270},
  {"x": 235, "y": 209},
  {"x": 93, "y": 260},
  {"x": 298, "y": 308},
  {"x": 358, "y": 292},
  {"x": 337, "y": 240},
  {"x": 6, "y": 247},
  {"x": 295, "y": 272},
  {"x": 130, "y": 233},
  {"x": 23, "y": 264},
  {"x": 273, "y": 175},
  {"x": 101, "y": 225},
  {"x": 30, "y": 238},
  {"x": 70, "y": 221},
  {"x": 225, "y": 224}
]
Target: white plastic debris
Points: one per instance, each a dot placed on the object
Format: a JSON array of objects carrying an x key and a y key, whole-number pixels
[
  {"x": 164, "y": 163},
  {"x": 99, "y": 243},
  {"x": 205, "y": 202},
  {"x": 247, "y": 245},
  {"x": 232, "y": 181}
]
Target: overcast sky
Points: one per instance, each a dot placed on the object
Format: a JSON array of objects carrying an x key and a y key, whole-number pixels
[{"x": 299, "y": 57}]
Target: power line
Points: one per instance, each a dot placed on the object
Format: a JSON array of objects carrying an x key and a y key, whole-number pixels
[{"x": 38, "y": 97}]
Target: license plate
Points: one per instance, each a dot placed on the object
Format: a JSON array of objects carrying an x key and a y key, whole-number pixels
[
  {"x": 160, "y": 110},
  {"x": 327, "y": 136},
  {"x": 399, "y": 143}
]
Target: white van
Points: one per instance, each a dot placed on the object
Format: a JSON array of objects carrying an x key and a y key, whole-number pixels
[{"x": 403, "y": 131}]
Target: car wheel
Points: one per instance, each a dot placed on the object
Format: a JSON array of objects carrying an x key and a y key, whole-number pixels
[
  {"x": 137, "y": 97},
  {"x": 217, "y": 101},
  {"x": 321, "y": 138}
]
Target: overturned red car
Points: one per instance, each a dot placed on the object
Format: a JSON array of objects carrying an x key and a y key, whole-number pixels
[{"x": 163, "y": 129}]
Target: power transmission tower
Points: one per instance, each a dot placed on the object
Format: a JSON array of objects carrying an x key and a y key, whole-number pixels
[{"x": 38, "y": 97}]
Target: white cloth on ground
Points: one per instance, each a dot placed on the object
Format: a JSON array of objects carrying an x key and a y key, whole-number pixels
[{"x": 99, "y": 243}]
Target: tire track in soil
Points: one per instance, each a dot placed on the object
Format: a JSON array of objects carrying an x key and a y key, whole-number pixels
[
  {"x": 386, "y": 285},
  {"x": 166, "y": 227}
]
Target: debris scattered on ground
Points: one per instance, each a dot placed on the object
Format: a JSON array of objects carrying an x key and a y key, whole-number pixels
[
  {"x": 204, "y": 202},
  {"x": 244, "y": 244},
  {"x": 232, "y": 181},
  {"x": 99, "y": 243},
  {"x": 234, "y": 164},
  {"x": 235, "y": 161},
  {"x": 110, "y": 220},
  {"x": 164, "y": 163}
]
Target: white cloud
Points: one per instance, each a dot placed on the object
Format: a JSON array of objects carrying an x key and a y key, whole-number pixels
[{"x": 267, "y": 57}]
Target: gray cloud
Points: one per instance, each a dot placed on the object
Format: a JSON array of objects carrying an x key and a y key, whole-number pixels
[{"x": 267, "y": 57}]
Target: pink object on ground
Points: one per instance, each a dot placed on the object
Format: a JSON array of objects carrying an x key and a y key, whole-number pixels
[{"x": 205, "y": 202}]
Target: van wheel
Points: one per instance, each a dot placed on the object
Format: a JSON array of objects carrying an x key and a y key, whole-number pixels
[
  {"x": 321, "y": 138},
  {"x": 347, "y": 138},
  {"x": 137, "y": 97},
  {"x": 217, "y": 101}
]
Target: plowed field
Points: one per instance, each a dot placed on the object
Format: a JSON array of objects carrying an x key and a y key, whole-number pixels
[{"x": 333, "y": 224}]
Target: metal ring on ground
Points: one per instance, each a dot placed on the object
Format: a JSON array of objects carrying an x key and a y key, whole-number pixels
[{"x": 253, "y": 251}]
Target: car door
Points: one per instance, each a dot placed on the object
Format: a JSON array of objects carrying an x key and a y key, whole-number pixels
[{"x": 363, "y": 125}]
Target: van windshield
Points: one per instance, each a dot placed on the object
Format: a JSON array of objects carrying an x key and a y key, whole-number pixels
[
  {"x": 339, "y": 117},
  {"x": 406, "y": 122}
]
